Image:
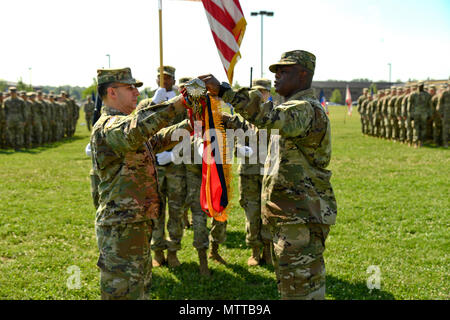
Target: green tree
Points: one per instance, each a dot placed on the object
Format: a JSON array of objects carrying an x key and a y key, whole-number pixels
[
  {"x": 92, "y": 89},
  {"x": 336, "y": 96},
  {"x": 3, "y": 85}
]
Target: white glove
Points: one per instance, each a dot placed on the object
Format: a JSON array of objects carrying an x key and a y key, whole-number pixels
[
  {"x": 200, "y": 150},
  {"x": 160, "y": 95},
  {"x": 88, "y": 150},
  {"x": 244, "y": 151},
  {"x": 165, "y": 157}
]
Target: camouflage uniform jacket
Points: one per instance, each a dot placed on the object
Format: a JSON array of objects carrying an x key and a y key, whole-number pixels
[
  {"x": 14, "y": 109},
  {"x": 296, "y": 187},
  {"x": 361, "y": 99},
  {"x": 420, "y": 103},
  {"x": 123, "y": 161}
]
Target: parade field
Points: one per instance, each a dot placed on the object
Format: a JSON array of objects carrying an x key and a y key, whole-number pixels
[{"x": 390, "y": 241}]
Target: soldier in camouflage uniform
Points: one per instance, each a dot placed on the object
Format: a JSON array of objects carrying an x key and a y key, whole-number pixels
[
  {"x": 377, "y": 115},
  {"x": 44, "y": 109},
  {"x": 443, "y": 109},
  {"x": 2, "y": 123},
  {"x": 88, "y": 108},
  {"x": 420, "y": 107},
  {"x": 298, "y": 202},
  {"x": 172, "y": 187},
  {"x": 384, "y": 114},
  {"x": 409, "y": 115},
  {"x": 126, "y": 194},
  {"x": 404, "y": 114},
  {"x": 392, "y": 132},
  {"x": 436, "y": 124},
  {"x": 361, "y": 99},
  {"x": 37, "y": 112},
  {"x": 15, "y": 119},
  {"x": 398, "y": 114},
  {"x": 365, "y": 110},
  {"x": 28, "y": 114},
  {"x": 250, "y": 186}
]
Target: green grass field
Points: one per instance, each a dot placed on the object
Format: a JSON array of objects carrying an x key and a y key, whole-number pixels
[{"x": 393, "y": 213}]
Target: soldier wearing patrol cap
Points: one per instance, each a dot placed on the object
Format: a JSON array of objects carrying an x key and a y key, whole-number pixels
[
  {"x": 172, "y": 186},
  {"x": 124, "y": 181},
  {"x": 299, "y": 225},
  {"x": 420, "y": 107},
  {"x": 36, "y": 111},
  {"x": 432, "y": 121},
  {"x": 250, "y": 186},
  {"x": 15, "y": 119},
  {"x": 361, "y": 99}
]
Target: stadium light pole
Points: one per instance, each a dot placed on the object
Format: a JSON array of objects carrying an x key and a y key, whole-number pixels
[
  {"x": 109, "y": 61},
  {"x": 262, "y": 14},
  {"x": 30, "y": 75}
]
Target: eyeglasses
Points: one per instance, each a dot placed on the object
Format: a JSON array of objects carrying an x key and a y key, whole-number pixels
[{"x": 128, "y": 86}]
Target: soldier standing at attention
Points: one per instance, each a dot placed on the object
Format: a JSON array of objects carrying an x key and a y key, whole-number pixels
[
  {"x": 421, "y": 110},
  {"x": 125, "y": 192},
  {"x": 2, "y": 122},
  {"x": 45, "y": 121},
  {"x": 88, "y": 108},
  {"x": 365, "y": 115},
  {"x": 28, "y": 114},
  {"x": 172, "y": 186},
  {"x": 37, "y": 112},
  {"x": 436, "y": 124},
  {"x": 443, "y": 109},
  {"x": 298, "y": 202},
  {"x": 250, "y": 185},
  {"x": 15, "y": 119},
  {"x": 361, "y": 99}
]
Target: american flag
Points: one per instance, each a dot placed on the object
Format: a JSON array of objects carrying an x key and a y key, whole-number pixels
[
  {"x": 323, "y": 101},
  {"x": 227, "y": 23},
  {"x": 348, "y": 101}
]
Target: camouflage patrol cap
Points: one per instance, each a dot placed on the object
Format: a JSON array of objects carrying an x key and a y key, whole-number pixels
[
  {"x": 31, "y": 94},
  {"x": 432, "y": 87},
  {"x": 421, "y": 83},
  {"x": 365, "y": 90},
  {"x": 12, "y": 89},
  {"x": 262, "y": 84},
  {"x": 387, "y": 91},
  {"x": 183, "y": 80},
  {"x": 381, "y": 91},
  {"x": 168, "y": 70},
  {"x": 116, "y": 75},
  {"x": 301, "y": 57}
]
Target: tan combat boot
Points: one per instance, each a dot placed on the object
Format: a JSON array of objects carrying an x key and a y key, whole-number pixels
[
  {"x": 203, "y": 261},
  {"x": 254, "y": 258},
  {"x": 172, "y": 259},
  {"x": 267, "y": 255},
  {"x": 214, "y": 254},
  {"x": 159, "y": 259}
]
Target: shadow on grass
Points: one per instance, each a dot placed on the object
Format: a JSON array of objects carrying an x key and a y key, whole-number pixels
[
  {"x": 235, "y": 239},
  {"x": 344, "y": 290},
  {"x": 45, "y": 147},
  {"x": 232, "y": 283}
]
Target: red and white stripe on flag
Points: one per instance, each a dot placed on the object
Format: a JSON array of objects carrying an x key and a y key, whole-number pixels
[
  {"x": 348, "y": 101},
  {"x": 227, "y": 23}
]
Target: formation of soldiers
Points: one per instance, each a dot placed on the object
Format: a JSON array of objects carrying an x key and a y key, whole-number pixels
[
  {"x": 413, "y": 114},
  {"x": 32, "y": 119}
]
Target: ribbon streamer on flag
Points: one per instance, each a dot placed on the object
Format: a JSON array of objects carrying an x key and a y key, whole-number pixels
[
  {"x": 348, "y": 101},
  {"x": 228, "y": 24}
]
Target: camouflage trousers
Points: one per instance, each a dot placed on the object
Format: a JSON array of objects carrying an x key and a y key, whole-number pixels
[
  {"x": 402, "y": 129},
  {"x": 395, "y": 129},
  {"x": 377, "y": 126},
  {"x": 172, "y": 188},
  {"x": 409, "y": 130},
  {"x": 387, "y": 128},
  {"x": 437, "y": 130},
  {"x": 125, "y": 261},
  {"x": 419, "y": 128},
  {"x": 45, "y": 131},
  {"x": 37, "y": 134},
  {"x": 15, "y": 134},
  {"x": 28, "y": 135},
  {"x": 202, "y": 236},
  {"x": 298, "y": 260},
  {"x": 88, "y": 117},
  {"x": 250, "y": 200}
]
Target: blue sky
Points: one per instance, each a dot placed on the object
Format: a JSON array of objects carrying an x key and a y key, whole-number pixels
[{"x": 65, "y": 41}]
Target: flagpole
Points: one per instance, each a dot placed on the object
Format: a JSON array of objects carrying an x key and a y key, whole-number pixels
[{"x": 161, "y": 74}]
